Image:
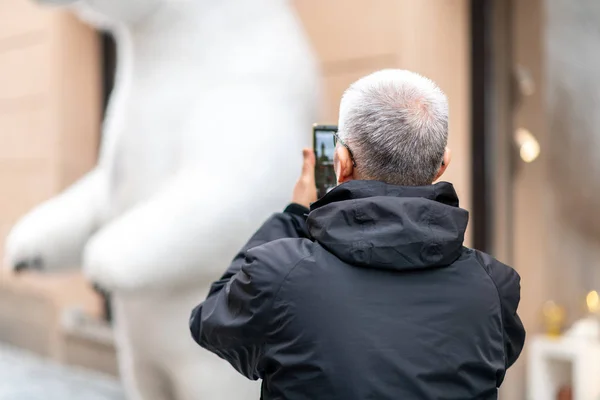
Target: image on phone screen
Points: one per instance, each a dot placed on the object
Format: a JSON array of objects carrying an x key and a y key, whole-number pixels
[{"x": 324, "y": 146}]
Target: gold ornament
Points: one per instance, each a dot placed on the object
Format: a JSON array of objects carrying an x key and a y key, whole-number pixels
[
  {"x": 554, "y": 318},
  {"x": 593, "y": 302}
]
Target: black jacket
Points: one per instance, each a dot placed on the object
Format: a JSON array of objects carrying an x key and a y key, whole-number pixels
[{"x": 373, "y": 296}]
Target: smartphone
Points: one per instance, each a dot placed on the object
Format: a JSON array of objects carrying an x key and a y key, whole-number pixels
[{"x": 324, "y": 146}]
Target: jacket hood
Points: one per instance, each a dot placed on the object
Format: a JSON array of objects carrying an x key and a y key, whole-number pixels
[{"x": 373, "y": 224}]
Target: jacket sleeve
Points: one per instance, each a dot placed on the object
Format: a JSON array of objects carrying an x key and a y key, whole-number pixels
[
  {"x": 508, "y": 283},
  {"x": 232, "y": 320}
]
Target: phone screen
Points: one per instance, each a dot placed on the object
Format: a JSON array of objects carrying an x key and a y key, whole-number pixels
[{"x": 324, "y": 145}]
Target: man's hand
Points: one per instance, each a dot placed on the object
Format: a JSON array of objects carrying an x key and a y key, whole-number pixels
[{"x": 305, "y": 191}]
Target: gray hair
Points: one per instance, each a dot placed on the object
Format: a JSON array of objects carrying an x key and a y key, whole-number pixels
[{"x": 396, "y": 123}]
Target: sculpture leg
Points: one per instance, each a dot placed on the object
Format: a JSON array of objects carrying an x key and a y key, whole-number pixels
[
  {"x": 142, "y": 371},
  {"x": 211, "y": 381},
  {"x": 143, "y": 380}
]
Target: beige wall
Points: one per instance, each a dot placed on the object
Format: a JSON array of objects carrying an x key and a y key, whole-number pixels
[
  {"x": 49, "y": 105},
  {"x": 529, "y": 217},
  {"x": 49, "y": 120},
  {"x": 427, "y": 36}
]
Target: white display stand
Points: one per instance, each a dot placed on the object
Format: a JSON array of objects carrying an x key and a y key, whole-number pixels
[{"x": 553, "y": 362}]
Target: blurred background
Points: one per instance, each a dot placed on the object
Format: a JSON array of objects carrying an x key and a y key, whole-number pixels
[{"x": 521, "y": 77}]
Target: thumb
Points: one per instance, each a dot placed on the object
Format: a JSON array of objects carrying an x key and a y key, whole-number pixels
[{"x": 308, "y": 165}]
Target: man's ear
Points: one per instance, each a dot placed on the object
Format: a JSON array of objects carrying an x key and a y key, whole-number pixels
[
  {"x": 343, "y": 165},
  {"x": 445, "y": 162}
]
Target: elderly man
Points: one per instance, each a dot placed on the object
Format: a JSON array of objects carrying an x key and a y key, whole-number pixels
[{"x": 370, "y": 294}]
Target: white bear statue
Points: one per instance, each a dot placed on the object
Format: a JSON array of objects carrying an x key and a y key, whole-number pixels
[{"x": 213, "y": 101}]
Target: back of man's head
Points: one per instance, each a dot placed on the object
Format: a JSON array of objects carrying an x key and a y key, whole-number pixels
[{"x": 396, "y": 123}]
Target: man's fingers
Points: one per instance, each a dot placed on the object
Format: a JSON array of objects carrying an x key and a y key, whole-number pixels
[
  {"x": 305, "y": 191},
  {"x": 308, "y": 166}
]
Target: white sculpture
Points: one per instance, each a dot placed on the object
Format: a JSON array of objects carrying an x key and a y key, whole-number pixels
[
  {"x": 587, "y": 328},
  {"x": 212, "y": 104},
  {"x": 555, "y": 362}
]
